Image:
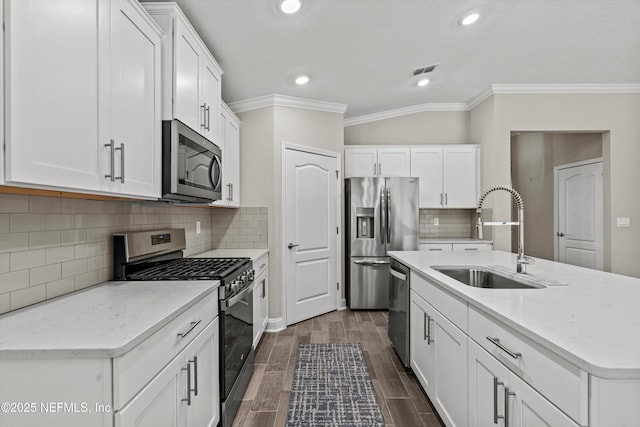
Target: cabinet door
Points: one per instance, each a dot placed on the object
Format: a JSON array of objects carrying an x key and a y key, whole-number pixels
[
  {"x": 188, "y": 65},
  {"x": 460, "y": 177},
  {"x": 360, "y": 162},
  {"x": 158, "y": 404},
  {"x": 421, "y": 345},
  {"x": 232, "y": 161},
  {"x": 394, "y": 162},
  {"x": 528, "y": 408},
  {"x": 450, "y": 345},
  {"x": 211, "y": 84},
  {"x": 135, "y": 102},
  {"x": 202, "y": 356},
  {"x": 487, "y": 379},
  {"x": 52, "y": 89},
  {"x": 426, "y": 164}
]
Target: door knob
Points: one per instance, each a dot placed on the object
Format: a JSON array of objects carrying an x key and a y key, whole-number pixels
[
  {"x": 560, "y": 234},
  {"x": 291, "y": 246}
]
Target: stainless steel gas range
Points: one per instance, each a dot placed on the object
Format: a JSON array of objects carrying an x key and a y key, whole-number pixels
[{"x": 158, "y": 255}]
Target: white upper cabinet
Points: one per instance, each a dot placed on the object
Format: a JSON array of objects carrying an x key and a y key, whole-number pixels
[
  {"x": 376, "y": 161},
  {"x": 192, "y": 77},
  {"x": 82, "y": 81},
  {"x": 230, "y": 144},
  {"x": 449, "y": 175}
]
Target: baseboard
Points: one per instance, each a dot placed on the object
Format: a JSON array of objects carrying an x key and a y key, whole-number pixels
[
  {"x": 343, "y": 304},
  {"x": 276, "y": 324}
]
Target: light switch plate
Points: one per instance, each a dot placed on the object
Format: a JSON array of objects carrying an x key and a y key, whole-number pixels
[
  {"x": 197, "y": 227},
  {"x": 436, "y": 222},
  {"x": 623, "y": 222}
]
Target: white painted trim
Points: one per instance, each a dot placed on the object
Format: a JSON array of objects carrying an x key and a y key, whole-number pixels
[
  {"x": 502, "y": 89},
  {"x": 275, "y": 324},
  {"x": 565, "y": 88},
  {"x": 318, "y": 151},
  {"x": 276, "y": 100},
  {"x": 405, "y": 111},
  {"x": 229, "y": 112},
  {"x": 343, "y": 304}
]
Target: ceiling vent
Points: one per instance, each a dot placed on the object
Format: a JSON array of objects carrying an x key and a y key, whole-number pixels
[{"x": 424, "y": 70}]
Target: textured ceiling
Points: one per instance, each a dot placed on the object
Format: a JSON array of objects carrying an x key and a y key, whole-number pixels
[{"x": 362, "y": 52}]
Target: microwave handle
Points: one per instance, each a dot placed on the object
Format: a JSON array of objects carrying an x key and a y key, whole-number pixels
[{"x": 215, "y": 180}]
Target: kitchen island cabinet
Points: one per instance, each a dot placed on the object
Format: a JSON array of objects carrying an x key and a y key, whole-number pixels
[
  {"x": 543, "y": 356},
  {"x": 83, "y": 106},
  {"x": 118, "y": 354}
]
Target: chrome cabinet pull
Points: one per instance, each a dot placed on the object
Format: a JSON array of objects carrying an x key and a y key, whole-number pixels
[
  {"x": 441, "y": 199},
  {"x": 507, "y": 393},
  {"x": 203, "y": 124},
  {"x": 229, "y": 192},
  {"x": 188, "y": 331},
  {"x": 188, "y": 398},
  {"x": 379, "y": 169},
  {"x": 435, "y": 249},
  {"x": 496, "y": 383},
  {"x": 264, "y": 288},
  {"x": 446, "y": 199},
  {"x": 374, "y": 169},
  {"x": 111, "y": 146},
  {"x": 497, "y": 343},
  {"x": 195, "y": 375},
  {"x": 470, "y": 249},
  {"x": 424, "y": 327},
  {"x": 121, "y": 177},
  {"x": 429, "y": 340},
  {"x": 207, "y": 110}
]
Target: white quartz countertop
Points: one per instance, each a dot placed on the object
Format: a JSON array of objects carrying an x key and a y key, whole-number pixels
[
  {"x": 593, "y": 321},
  {"x": 254, "y": 254},
  {"x": 452, "y": 240},
  {"x": 103, "y": 321}
]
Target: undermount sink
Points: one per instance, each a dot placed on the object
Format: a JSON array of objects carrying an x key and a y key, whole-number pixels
[{"x": 487, "y": 277}]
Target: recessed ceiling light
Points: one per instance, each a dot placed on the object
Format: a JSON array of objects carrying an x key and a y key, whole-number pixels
[
  {"x": 470, "y": 19},
  {"x": 302, "y": 80},
  {"x": 423, "y": 82},
  {"x": 290, "y": 6}
]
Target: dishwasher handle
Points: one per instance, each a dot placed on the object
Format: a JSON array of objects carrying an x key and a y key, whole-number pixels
[{"x": 397, "y": 274}]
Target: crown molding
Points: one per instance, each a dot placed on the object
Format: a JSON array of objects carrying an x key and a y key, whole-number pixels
[
  {"x": 528, "y": 89},
  {"x": 276, "y": 100},
  {"x": 405, "y": 111}
]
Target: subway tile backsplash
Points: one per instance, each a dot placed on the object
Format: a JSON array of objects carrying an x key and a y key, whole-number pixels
[
  {"x": 51, "y": 246},
  {"x": 453, "y": 223}
]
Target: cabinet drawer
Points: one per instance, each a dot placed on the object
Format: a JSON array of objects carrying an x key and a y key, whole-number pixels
[
  {"x": 471, "y": 246},
  {"x": 454, "y": 309},
  {"x": 561, "y": 382},
  {"x": 261, "y": 264},
  {"x": 136, "y": 368},
  {"x": 435, "y": 247}
]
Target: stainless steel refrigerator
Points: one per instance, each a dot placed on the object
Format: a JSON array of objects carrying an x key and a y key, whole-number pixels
[{"x": 381, "y": 216}]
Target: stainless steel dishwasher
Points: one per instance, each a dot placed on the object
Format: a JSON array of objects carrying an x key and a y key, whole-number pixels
[{"x": 399, "y": 310}]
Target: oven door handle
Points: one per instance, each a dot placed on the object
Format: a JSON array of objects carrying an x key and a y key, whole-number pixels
[{"x": 234, "y": 299}]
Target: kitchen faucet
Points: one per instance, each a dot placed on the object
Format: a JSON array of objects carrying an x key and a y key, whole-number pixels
[{"x": 522, "y": 259}]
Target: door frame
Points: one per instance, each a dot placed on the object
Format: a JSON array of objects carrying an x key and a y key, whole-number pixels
[
  {"x": 338, "y": 158},
  {"x": 556, "y": 169}
]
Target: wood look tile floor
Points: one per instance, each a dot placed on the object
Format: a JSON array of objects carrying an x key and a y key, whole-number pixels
[{"x": 401, "y": 399}]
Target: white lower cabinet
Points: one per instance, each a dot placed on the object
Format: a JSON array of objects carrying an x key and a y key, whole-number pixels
[
  {"x": 260, "y": 299},
  {"x": 184, "y": 393},
  {"x": 499, "y": 397},
  {"x": 438, "y": 352}
]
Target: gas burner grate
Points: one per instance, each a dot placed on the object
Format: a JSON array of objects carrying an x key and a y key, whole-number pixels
[{"x": 190, "y": 269}]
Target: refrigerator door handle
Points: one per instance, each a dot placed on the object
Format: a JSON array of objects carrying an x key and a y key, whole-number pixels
[
  {"x": 389, "y": 215},
  {"x": 383, "y": 211}
]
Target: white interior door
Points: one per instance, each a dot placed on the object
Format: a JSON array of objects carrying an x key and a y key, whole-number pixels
[
  {"x": 310, "y": 224},
  {"x": 579, "y": 211}
]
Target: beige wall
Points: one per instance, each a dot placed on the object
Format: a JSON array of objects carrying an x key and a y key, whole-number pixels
[
  {"x": 533, "y": 157},
  {"x": 616, "y": 115},
  {"x": 262, "y": 136},
  {"x": 430, "y": 127}
]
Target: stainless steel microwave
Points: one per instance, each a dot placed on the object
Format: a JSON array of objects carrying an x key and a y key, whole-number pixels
[{"x": 191, "y": 165}]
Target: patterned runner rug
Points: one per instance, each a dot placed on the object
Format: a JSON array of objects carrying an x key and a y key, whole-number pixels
[{"x": 332, "y": 387}]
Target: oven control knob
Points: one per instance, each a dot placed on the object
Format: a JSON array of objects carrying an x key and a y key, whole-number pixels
[{"x": 235, "y": 286}]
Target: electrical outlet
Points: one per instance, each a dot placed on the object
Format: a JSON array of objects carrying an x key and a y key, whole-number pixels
[
  {"x": 198, "y": 227},
  {"x": 436, "y": 222}
]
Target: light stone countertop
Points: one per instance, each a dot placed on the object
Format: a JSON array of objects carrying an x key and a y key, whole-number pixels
[
  {"x": 593, "y": 322},
  {"x": 452, "y": 240},
  {"x": 103, "y": 321},
  {"x": 254, "y": 254}
]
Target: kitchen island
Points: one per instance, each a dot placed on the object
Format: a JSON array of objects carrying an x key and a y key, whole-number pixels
[{"x": 574, "y": 342}]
